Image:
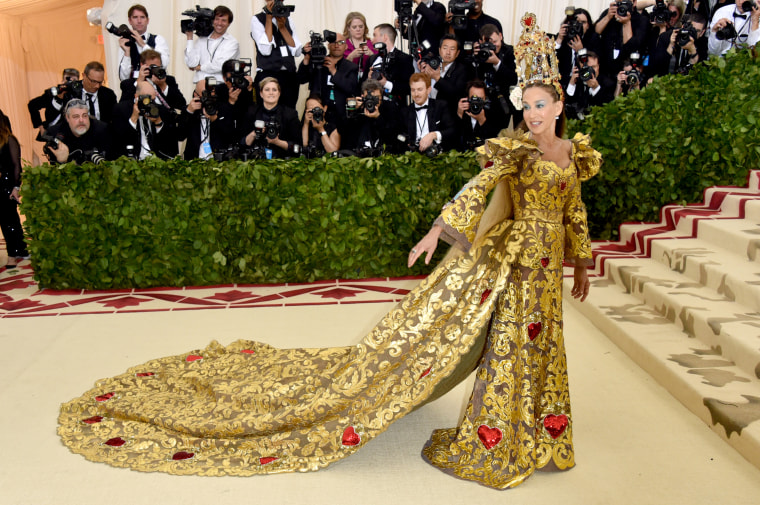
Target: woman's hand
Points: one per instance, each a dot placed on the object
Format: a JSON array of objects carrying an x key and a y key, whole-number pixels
[
  {"x": 581, "y": 283},
  {"x": 428, "y": 244}
]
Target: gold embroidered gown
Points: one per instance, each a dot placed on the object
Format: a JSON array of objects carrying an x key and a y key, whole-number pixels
[{"x": 249, "y": 408}]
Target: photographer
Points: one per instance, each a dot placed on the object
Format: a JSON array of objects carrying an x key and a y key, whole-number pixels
[
  {"x": 277, "y": 46},
  {"x": 473, "y": 126},
  {"x": 207, "y": 122},
  {"x": 448, "y": 77},
  {"x": 335, "y": 80},
  {"x": 588, "y": 86},
  {"x": 144, "y": 126},
  {"x": 392, "y": 68},
  {"x": 688, "y": 44},
  {"x": 427, "y": 120},
  {"x": 475, "y": 21},
  {"x": 52, "y": 101},
  {"x": 273, "y": 127},
  {"x": 373, "y": 125},
  {"x": 630, "y": 78},
  {"x": 428, "y": 22},
  {"x": 100, "y": 99},
  {"x": 576, "y": 32},
  {"x": 207, "y": 55},
  {"x": 79, "y": 138},
  {"x": 734, "y": 26},
  {"x": 495, "y": 65},
  {"x": 319, "y": 136},
  {"x": 664, "y": 16},
  {"x": 622, "y": 30},
  {"x": 139, "y": 41},
  {"x": 167, "y": 89}
]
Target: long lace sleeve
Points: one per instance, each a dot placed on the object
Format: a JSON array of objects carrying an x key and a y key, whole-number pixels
[
  {"x": 577, "y": 241},
  {"x": 499, "y": 158},
  {"x": 15, "y": 151}
]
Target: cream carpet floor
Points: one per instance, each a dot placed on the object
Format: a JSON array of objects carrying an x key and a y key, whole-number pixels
[{"x": 634, "y": 443}]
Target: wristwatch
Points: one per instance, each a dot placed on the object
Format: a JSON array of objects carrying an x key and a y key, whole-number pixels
[{"x": 323, "y": 133}]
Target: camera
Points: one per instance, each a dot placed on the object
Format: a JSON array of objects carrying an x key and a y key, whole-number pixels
[
  {"x": 369, "y": 103},
  {"x": 71, "y": 87},
  {"x": 318, "y": 50},
  {"x": 236, "y": 72},
  {"x": 50, "y": 144},
  {"x": 634, "y": 77},
  {"x": 749, "y": 5},
  {"x": 147, "y": 107},
  {"x": 313, "y": 151},
  {"x": 660, "y": 13},
  {"x": 280, "y": 10},
  {"x": 202, "y": 22},
  {"x": 93, "y": 156},
  {"x": 459, "y": 9},
  {"x": 318, "y": 114},
  {"x": 404, "y": 10},
  {"x": 386, "y": 63},
  {"x": 478, "y": 105},
  {"x": 121, "y": 31},
  {"x": 271, "y": 129},
  {"x": 624, "y": 7},
  {"x": 684, "y": 69},
  {"x": 685, "y": 34},
  {"x": 157, "y": 71},
  {"x": 585, "y": 72},
  {"x": 432, "y": 60},
  {"x": 728, "y": 32},
  {"x": 209, "y": 98},
  {"x": 485, "y": 50},
  {"x": 574, "y": 29}
]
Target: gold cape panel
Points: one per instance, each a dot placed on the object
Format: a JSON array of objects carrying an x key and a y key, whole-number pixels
[{"x": 249, "y": 408}]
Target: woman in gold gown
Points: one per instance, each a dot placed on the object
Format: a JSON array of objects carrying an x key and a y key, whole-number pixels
[{"x": 249, "y": 408}]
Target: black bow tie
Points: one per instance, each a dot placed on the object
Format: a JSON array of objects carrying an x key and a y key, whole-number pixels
[
  {"x": 421, "y": 107},
  {"x": 742, "y": 16}
]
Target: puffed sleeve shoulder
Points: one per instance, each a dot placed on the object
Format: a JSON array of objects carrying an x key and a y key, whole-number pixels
[
  {"x": 499, "y": 158},
  {"x": 587, "y": 159}
]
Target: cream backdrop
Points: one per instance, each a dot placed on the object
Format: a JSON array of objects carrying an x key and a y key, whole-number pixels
[{"x": 38, "y": 38}]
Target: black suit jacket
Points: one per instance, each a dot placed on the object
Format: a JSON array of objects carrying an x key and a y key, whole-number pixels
[
  {"x": 173, "y": 95},
  {"x": 439, "y": 120},
  {"x": 345, "y": 83},
  {"x": 453, "y": 86},
  {"x": 290, "y": 127},
  {"x": 400, "y": 67},
  {"x": 42, "y": 102},
  {"x": 222, "y": 131},
  {"x": 612, "y": 39},
  {"x": 163, "y": 144},
  {"x": 97, "y": 137},
  {"x": 106, "y": 102},
  {"x": 470, "y": 136}
]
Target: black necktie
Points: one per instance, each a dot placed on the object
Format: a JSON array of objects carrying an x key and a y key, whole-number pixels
[
  {"x": 421, "y": 107},
  {"x": 91, "y": 101}
]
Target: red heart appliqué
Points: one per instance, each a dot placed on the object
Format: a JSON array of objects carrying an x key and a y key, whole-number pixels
[
  {"x": 179, "y": 456},
  {"x": 555, "y": 425},
  {"x": 104, "y": 398},
  {"x": 267, "y": 460},
  {"x": 562, "y": 185},
  {"x": 485, "y": 296},
  {"x": 488, "y": 436},
  {"x": 193, "y": 357},
  {"x": 534, "y": 329},
  {"x": 116, "y": 442},
  {"x": 544, "y": 262},
  {"x": 93, "y": 420},
  {"x": 350, "y": 437}
]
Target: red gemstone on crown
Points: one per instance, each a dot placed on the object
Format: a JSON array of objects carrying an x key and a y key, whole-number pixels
[
  {"x": 426, "y": 372},
  {"x": 193, "y": 357},
  {"x": 104, "y": 398},
  {"x": 145, "y": 374},
  {"x": 179, "y": 456},
  {"x": 485, "y": 296},
  {"x": 267, "y": 460},
  {"x": 248, "y": 351},
  {"x": 350, "y": 437},
  {"x": 488, "y": 436},
  {"x": 534, "y": 329},
  {"x": 116, "y": 442},
  {"x": 93, "y": 420},
  {"x": 555, "y": 425}
]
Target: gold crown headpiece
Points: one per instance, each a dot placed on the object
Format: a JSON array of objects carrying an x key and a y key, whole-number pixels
[{"x": 536, "y": 60}]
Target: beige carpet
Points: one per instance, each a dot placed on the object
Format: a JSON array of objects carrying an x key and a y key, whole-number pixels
[{"x": 634, "y": 443}]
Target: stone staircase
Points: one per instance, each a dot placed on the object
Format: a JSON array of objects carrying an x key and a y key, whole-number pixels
[{"x": 682, "y": 298}]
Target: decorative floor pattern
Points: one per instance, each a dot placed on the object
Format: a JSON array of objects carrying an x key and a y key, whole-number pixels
[{"x": 20, "y": 295}]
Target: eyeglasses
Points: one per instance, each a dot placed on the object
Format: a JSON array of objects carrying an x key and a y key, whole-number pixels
[
  {"x": 339, "y": 42},
  {"x": 93, "y": 80},
  {"x": 76, "y": 103}
]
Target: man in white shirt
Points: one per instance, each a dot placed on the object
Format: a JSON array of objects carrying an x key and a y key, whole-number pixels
[
  {"x": 207, "y": 54},
  {"x": 744, "y": 17},
  {"x": 141, "y": 40}
]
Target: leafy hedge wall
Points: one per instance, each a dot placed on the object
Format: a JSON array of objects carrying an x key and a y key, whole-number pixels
[
  {"x": 670, "y": 141},
  {"x": 154, "y": 223}
]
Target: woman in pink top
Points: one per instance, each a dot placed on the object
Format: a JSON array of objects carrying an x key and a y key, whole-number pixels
[{"x": 359, "y": 47}]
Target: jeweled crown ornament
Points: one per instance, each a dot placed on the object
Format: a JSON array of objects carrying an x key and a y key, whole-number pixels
[{"x": 536, "y": 60}]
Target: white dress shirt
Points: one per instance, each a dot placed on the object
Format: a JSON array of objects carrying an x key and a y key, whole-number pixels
[
  {"x": 125, "y": 64},
  {"x": 743, "y": 29},
  {"x": 211, "y": 54}
]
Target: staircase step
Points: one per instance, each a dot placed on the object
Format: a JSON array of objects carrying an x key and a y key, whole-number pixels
[{"x": 724, "y": 396}]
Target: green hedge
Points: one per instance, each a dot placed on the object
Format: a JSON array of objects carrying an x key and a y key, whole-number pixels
[
  {"x": 670, "y": 141},
  {"x": 154, "y": 223}
]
